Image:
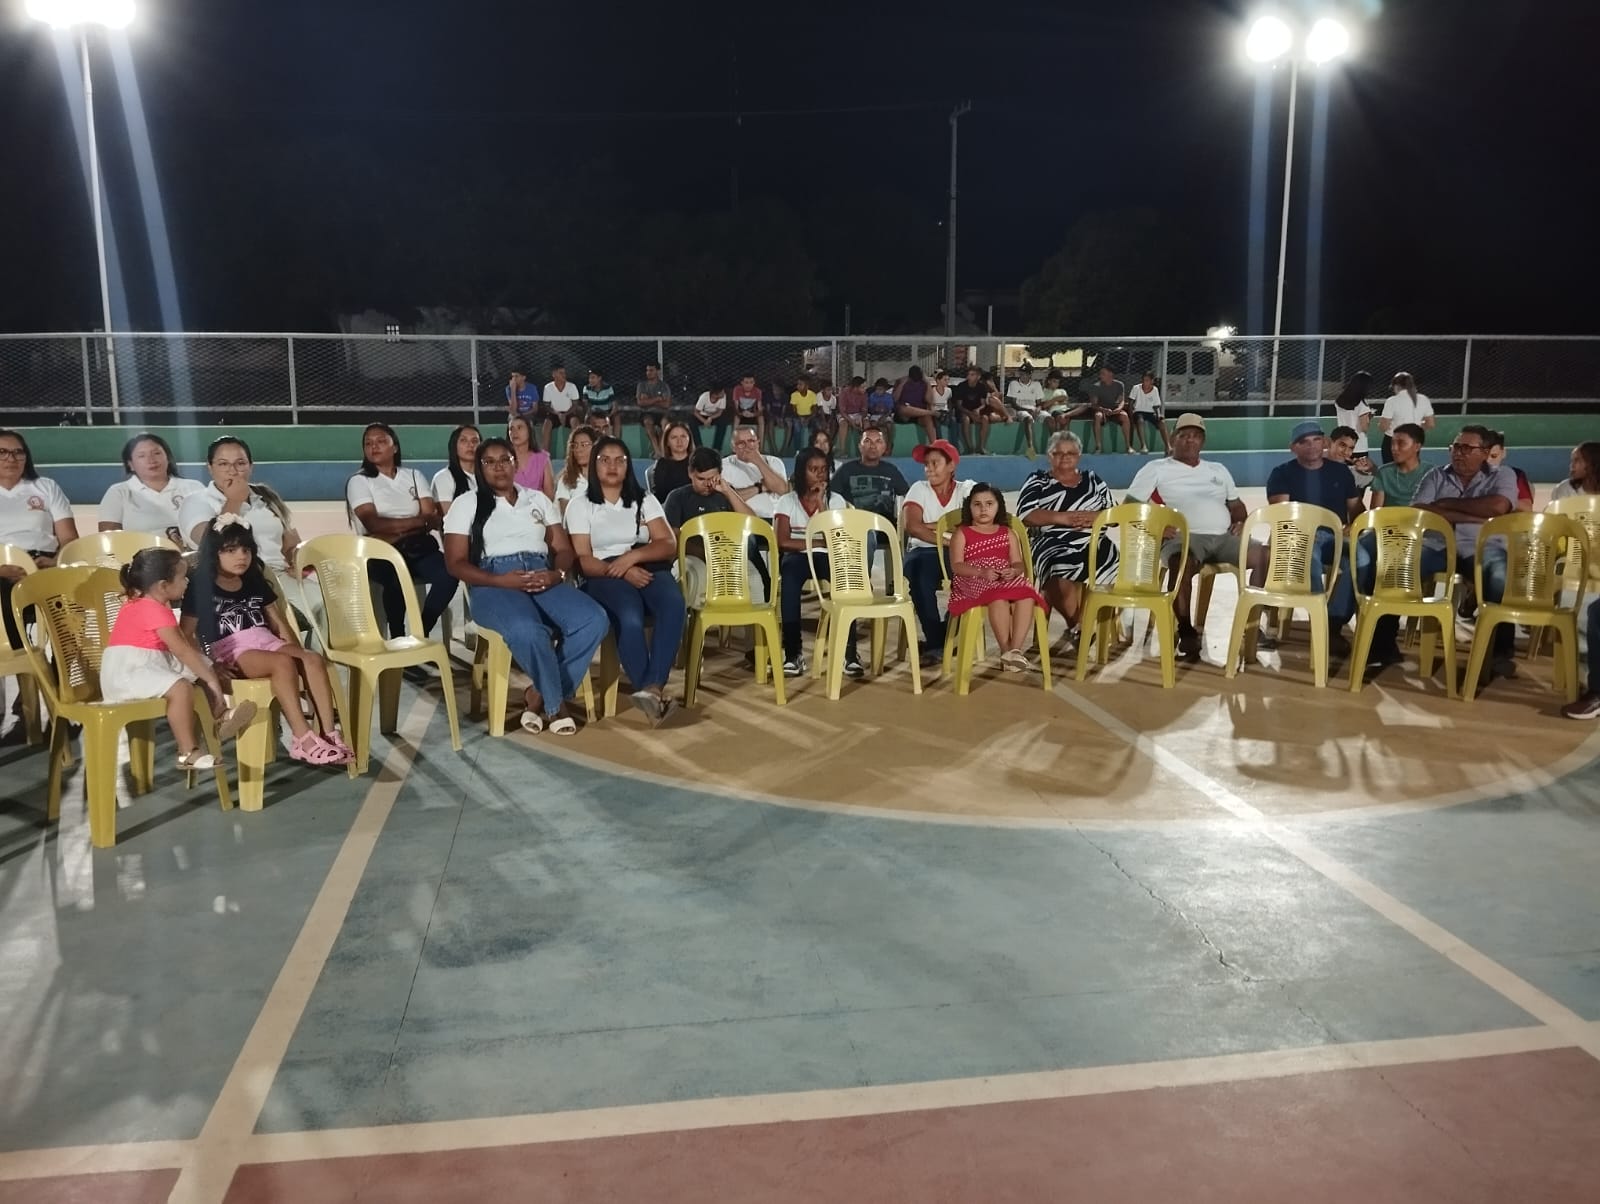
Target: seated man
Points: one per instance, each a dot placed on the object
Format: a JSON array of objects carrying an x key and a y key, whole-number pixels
[
  {"x": 1204, "y": 493},
  {"x": 977, "y": 403},
  {"x": 653, "y": 398},
  {"x": 1588, "y": 706},
  {"x": 1342, "y": 450},
  {"x": 1465, "y": 493},
  {"x": 1026, "y": 396},
  {"x": 707, "y": 492},
  {"x": 1497, "y": 457},
  {"x": 1315, "y": 480},
  {"x": 1110, "y": 398},
  {"x": 871, "y": 483},
  {"x": 1397, "y": 480},
  {"x": 758, "y": 478}
]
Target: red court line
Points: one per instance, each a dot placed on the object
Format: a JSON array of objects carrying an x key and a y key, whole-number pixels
[
  {"x": 1476, "y": 1131},
  {"x": 121, "y": 1187}
]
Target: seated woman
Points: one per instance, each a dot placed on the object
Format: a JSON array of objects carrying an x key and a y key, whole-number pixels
[
  {"x": 626, "y": 550},
  {"x": 34, "y": 516},
  {"x": 574, "y": 478},
  {"x": 1583, "y": 472},
  {"x": 795, "y": 509},
  {"x": 1059, "y": 505},
  {"x": 671, "y": 469},
  {"x": 533, "y": 465},
  {"x": 508, "y": 546},
  {"x": 926, "y": 502},
  {"x": 153, "y": 493},
  {"x": 393, "y": 503},
  {"x": 460, "y": 466}
]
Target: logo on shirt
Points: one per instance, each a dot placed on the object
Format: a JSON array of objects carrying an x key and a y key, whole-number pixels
[{"x": 36, "y": 502}]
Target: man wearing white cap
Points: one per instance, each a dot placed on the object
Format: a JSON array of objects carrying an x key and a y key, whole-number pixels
[{"x": 1204, "y": 493}]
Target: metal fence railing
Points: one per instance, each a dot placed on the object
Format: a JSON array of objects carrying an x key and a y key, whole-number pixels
[{"x": 322, "y": 378}]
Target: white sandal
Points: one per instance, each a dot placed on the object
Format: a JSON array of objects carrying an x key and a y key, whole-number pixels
[
  {"x": 564, "y": 725},
  {"x": 532, "y": 722},
  {"x": 197, "y": 760}
]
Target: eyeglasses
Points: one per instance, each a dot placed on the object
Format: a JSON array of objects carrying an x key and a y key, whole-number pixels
[
  {"x": 497, "y": 461},
  {"x": 236, "y": 465},
  {"x": 12, "y": 453},
  {"x": 1466, "y": 447}
]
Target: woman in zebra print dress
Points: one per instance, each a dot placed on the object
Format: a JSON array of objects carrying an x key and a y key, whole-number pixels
[{"x": 1059, "y": 506}]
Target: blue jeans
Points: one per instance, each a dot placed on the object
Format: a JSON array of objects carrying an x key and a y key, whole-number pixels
[
  {"x": 1342, "y": 602},
  {"x": 648, "y": 663},
  {"x": 532, "y": 624},
  {"x": 1494, "y": 589},
  {"x": 793, "y": 573},
  {"x": 923, "y": 577}
]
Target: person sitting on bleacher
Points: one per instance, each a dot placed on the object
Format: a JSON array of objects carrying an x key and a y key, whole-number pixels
[
  {"x": 507, "y": 544},
  {"x": 795, "y": 509},
  {"x": 1204, "y": 493}
]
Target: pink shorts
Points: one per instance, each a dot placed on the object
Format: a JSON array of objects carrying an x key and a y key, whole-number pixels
[{"x": 228, "y": 649}]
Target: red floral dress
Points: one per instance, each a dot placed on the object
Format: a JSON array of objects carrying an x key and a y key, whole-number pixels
[{"x": 992, "y": 551}]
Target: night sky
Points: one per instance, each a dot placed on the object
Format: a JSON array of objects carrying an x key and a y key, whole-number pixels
[{"x": 319, "y": 158}]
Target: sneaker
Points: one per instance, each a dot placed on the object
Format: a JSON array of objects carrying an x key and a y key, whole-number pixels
[
  {"x": 1587, "y": 707},
  {"x": 1382, "y": 658},
  {"x": 1266, "y": 641},
  {"x": 1189, "y": 641},
  {"x": 1504, "y": 666},
  {"x": 852, "y": 667},
  {"x": 1015, "y": 661},
  {"x": 795, "y": 666}
]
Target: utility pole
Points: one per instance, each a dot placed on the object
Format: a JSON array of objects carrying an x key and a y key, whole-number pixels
[{"x": 960, "y": 111}]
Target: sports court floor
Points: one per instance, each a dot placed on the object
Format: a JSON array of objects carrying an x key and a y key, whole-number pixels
[{"x": 1243, "y": 941}]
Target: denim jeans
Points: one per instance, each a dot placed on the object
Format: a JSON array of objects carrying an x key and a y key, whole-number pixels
[
  {"x": 552, "y": 635},
  {"x": 1494, "y": 589},
  {"x": 648, "y": 663},
  {"x": 793, "y": 573},
  {"x": 1342, "y": 602},
  {"x": 923, "y": 577}
]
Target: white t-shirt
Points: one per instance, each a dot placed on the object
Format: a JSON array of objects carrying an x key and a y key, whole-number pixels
[
  {"x": 741, "y": 476},
  {"x": 932, "y": 508},
  {"x": 827, "y": 403},
  {"x": 1200, "y": 493},
  {"x": 265, "y": 525},
  {"x": 1352, "y": 419},
  {"x": 29, "y": 513},
  {"x": 444, "y": 486},
  {"x": 611, "y": 528},
  {"x": 1025, "y": 394},
  {"x": 563, "y": 399},
  {"x": 1400, "y": 409},
  {"x": 789, "y": 506},
  {"x": 708, "y": 406},
  {"x": 1145, "y": 403},
  {"x": 399, "y": 496},
  {"x": 939, "y": 399},
  {"x": 134, "y": 506},
  {"x": 511, "y": 528}
]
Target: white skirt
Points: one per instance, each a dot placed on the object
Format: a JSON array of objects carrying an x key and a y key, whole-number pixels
[{"x": 134, "y": 674}]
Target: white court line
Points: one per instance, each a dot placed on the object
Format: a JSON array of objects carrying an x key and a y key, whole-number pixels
[
  {"x": 1572, "y": 1027},
  {"x": 719, "y": 1112},
  {"x": 215, "y": 1154}
]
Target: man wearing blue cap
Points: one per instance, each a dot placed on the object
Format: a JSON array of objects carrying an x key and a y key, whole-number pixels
[{"x": 1315, "y": 480}]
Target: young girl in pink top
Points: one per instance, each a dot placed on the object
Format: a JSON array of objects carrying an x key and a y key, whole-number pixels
[
  {"x": 987, "y": 569},
  {"x": 146, "y": 656}
]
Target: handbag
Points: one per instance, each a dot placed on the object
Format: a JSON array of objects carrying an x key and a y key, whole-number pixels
[{"x": 416, "y": 546}]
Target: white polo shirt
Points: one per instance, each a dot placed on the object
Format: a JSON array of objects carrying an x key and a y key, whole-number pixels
[
  {"x": 29, "y": 513},
  {"x": 1400, "y": 409},
  {"x": 742, "y": 476},
  {"x": 561, "y": 399},
  {"x": 612, "y": 528},
  {"x": 134, "y": 506},
  {"x": 1199, "y": 492},
  {"x": 565, "y": 492},
  {"x": 790, "y": 508},
  {"x": 932, "y": 508},
  {"x": 443, "y": 487},
  {"x": 399, "y": 496},
  {"x": 511, "y": 528},
  {"x": 1025, "y": 394},
  {"x": 265, "y": 525}
]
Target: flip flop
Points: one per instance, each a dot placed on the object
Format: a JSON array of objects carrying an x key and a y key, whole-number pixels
[
  {"x": 235, "y": 719},
  {"x": 532, "y": 722},
  {"x": 197, "y": 760}
]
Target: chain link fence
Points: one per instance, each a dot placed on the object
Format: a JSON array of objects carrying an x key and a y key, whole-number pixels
[{"x": 266, "y": 378}]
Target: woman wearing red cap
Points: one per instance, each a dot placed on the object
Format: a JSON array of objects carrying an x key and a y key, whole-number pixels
[{"x": 926, "y": 501}]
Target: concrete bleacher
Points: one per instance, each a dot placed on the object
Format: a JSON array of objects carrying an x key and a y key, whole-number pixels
[{"x": 314, "y": 462}]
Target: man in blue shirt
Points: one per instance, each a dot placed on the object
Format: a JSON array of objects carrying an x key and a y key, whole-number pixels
[
  {"x": 1315, "y": 480},
  {"x": 521, "y": 397}
]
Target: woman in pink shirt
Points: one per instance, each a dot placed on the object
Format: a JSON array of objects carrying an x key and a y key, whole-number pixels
[{"x": 533, "y": 465}]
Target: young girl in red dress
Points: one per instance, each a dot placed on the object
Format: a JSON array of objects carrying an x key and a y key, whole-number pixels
[{"x": 987, "y": 569}]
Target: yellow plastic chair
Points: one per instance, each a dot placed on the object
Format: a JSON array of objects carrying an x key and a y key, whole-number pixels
[
  {"x": 1401, "y": 589},
  {"x": 76, "y": 607},
  {"x": 729, "y": 601},
  {"x": 110, "y": 549},
  {"x": 845, "y": 535},
  {"x": 964, "y": 639},
  {"x": 1533, "y": 590},
  {"x": 352, "y": 637},
  {"x": 1291, "y": 552},
  {"x": 1141, "y": 530},
  {"x": 15, "y": 662},
  {"x": 1585, "y": 507},
  {"x": 490, "y": 680}
]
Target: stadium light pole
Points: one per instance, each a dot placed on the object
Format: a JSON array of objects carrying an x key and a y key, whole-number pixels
[
  {"x": 1268, "y": 41},
  {"x": 956, "y": 114},
  {"x": 79, "y": 15}
]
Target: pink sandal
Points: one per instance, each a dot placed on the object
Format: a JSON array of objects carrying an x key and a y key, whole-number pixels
[
  {"x": 335, "y": 739},
  {"x": 314, "y": 750}
]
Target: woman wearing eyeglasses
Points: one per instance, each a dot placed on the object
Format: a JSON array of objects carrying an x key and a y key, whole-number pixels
[{"x": 35, "y": 516}]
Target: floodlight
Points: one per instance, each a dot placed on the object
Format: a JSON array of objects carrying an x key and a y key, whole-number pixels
[
  {"x": 63, "y": 14},
  {"x": 1327, "y": 40},
  {"x": 1269, "y": 38}
]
